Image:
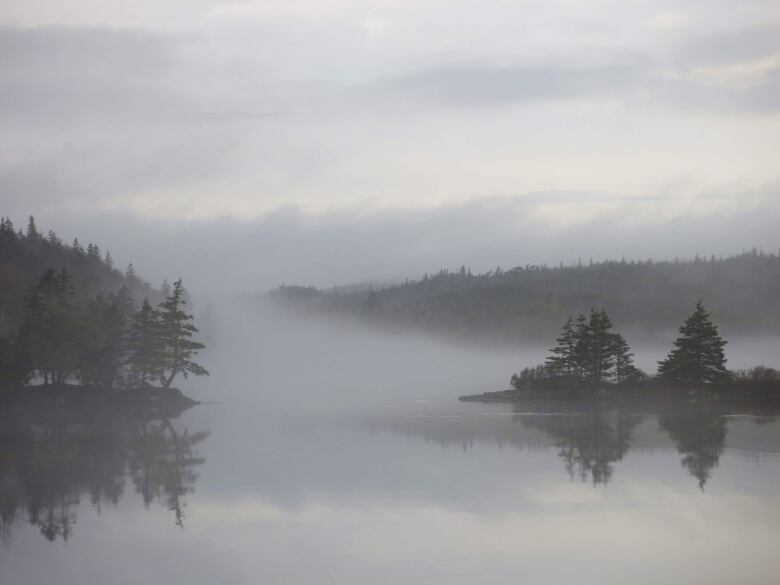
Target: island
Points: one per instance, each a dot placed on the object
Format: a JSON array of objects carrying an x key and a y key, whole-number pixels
[
  {"x": 591, "y": 364},
  {"x": 75, "y": 333}
]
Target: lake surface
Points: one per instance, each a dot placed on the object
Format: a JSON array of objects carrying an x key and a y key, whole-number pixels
[{"x": 342, "y": 456}]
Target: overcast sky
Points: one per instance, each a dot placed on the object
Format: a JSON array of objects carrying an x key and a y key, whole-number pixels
[{"x": 252, "y": 142}]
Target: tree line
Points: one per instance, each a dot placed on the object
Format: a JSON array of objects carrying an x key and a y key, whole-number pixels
[
  {"x": 589, "y": 353},
  {"x": 26, "y": 254},
  {"x": 644, "y": 299},
  {"x": 100, "y": 341}
]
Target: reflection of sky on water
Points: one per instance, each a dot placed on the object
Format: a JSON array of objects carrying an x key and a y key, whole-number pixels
[{"x": 313, "y": 471}]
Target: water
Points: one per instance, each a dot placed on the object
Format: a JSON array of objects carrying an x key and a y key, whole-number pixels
[{"x": 341, "y": 456}]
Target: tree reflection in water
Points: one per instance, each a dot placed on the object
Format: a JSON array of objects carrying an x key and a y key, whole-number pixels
[
  {"x": 49, "y": 463},
  {"x": 589, "y": 443},
  {"x": 700, "y": 437},
  {"x": 591, "y": 437}
]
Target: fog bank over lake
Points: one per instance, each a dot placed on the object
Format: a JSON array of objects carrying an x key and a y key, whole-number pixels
[{"x": 347, "y": 445}]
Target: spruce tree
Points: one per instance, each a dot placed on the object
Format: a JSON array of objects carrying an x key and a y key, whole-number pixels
[
  {"x": 563, "y": 362},
  {"x": 600, "y": 356},
  {"x": 698, "y": 355},
  {"x": 625, "y": 371},
  {"x": 130, "y": 273},
  {"x": 177, "y": 330},
  {"x": 104, "y": 343},
  {"x": 582, "y": 347},
  {"x": 145, "y": 346},
  {"x": 50, "y": 331},
  {"x": 32, "y": 230}
]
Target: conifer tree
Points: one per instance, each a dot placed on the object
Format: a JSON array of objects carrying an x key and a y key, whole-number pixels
[
  {"x": 564, "y": 362},
  {"x": 698, "y": 354},
  {"x": 600, "y": 356},
  {"x": 104, "y": 342},
  {"x": 177, "y": 330},
  {"x": 78, "y": 249},
  {"x": 145, "y": 346},
  {"x": 582, "y": 349},
  {"x": 32, "y": 230},
  {"x": 625, "y": 370},
  {"x": 52, "y": 239},
  {"x": 51, "y": 329}
]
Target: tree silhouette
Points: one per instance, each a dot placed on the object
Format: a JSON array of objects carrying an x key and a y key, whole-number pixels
[
  {"x": 625, "y": 370},
  {"x": 698, "y": 353},
  {"x": 50, "y": 331},
  {"x": 563, "y": 362},
  {"x": 145, "y": 346},
  {"x": 176, "y": 330},
  {"x": 588, "y": 350}
]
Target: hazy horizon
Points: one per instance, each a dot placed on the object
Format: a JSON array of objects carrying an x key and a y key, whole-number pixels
[
  {"x": 333, "y": 142},
  {"x": 606, "y": 425}
]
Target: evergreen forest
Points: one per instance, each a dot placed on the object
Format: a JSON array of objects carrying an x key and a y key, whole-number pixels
[{"x": 645, "y": 299}]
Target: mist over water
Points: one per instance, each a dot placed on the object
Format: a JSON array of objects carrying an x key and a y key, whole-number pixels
[
  {"x": 463, "y": 273},
  {"x": 269, "y": 357},
  {"x": 339, "y": 454}
]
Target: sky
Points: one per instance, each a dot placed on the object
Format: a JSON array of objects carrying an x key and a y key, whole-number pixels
[{"x": 243, "y": 144}]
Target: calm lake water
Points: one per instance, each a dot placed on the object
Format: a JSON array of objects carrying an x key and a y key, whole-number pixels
[{"x": 342, "y": 456}]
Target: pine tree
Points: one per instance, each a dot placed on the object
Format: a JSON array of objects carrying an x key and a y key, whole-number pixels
[
  {"x": 698, "y": 354},
  {"x": 582, "y": 349},
  {"x": 32, "y": 230},
  {"x": 600, "y": 356},
  {"x": 563, "y": 362},
  {"x": 78, "y": 250},
  {"x": 50, "y": 331},
  {"x": 104, "y": 343},
  {"x": 625, "y": 371},
  {"x": 53, "y": 240},
  {"x": 177, "y": 330},
  {"x": 124, "y": 301},
  {"x": 145, "y": 346}
]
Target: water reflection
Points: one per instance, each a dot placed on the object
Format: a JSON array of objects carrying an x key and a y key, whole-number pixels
[
  {"x": 50, "y": 461},
  {"x": 700, "y": 437},
  {"x": 590, "y": 439},
  {"x": 589, "y": 443}
]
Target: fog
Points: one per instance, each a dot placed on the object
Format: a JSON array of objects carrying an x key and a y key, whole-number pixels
[
  {"x": 334, "y": 439},
  {"x": 267, "y": 357},
  {"x": 273, "y": 360},
  {"x": 231, "y": 256},
  {"x": 368, "y": 148}
]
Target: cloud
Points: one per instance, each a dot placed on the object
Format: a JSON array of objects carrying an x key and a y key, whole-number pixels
[
  {"x": 437, "y": 105},
  {"x": 488, "y": 86},
  {"x": 58, "y": 74},
  {"x": 348, "y": 246}
]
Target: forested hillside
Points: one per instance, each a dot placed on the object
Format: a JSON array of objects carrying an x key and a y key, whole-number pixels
[
  {"x": 644, "y": 298},
  {"x": 25, "y": 255},
  {"x": 68, "y": 315}
]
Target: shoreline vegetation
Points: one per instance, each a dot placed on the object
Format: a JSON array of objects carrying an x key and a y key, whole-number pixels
[
  {"x": 593, "y": 364},
  {"x": 72, "y": 329}
]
